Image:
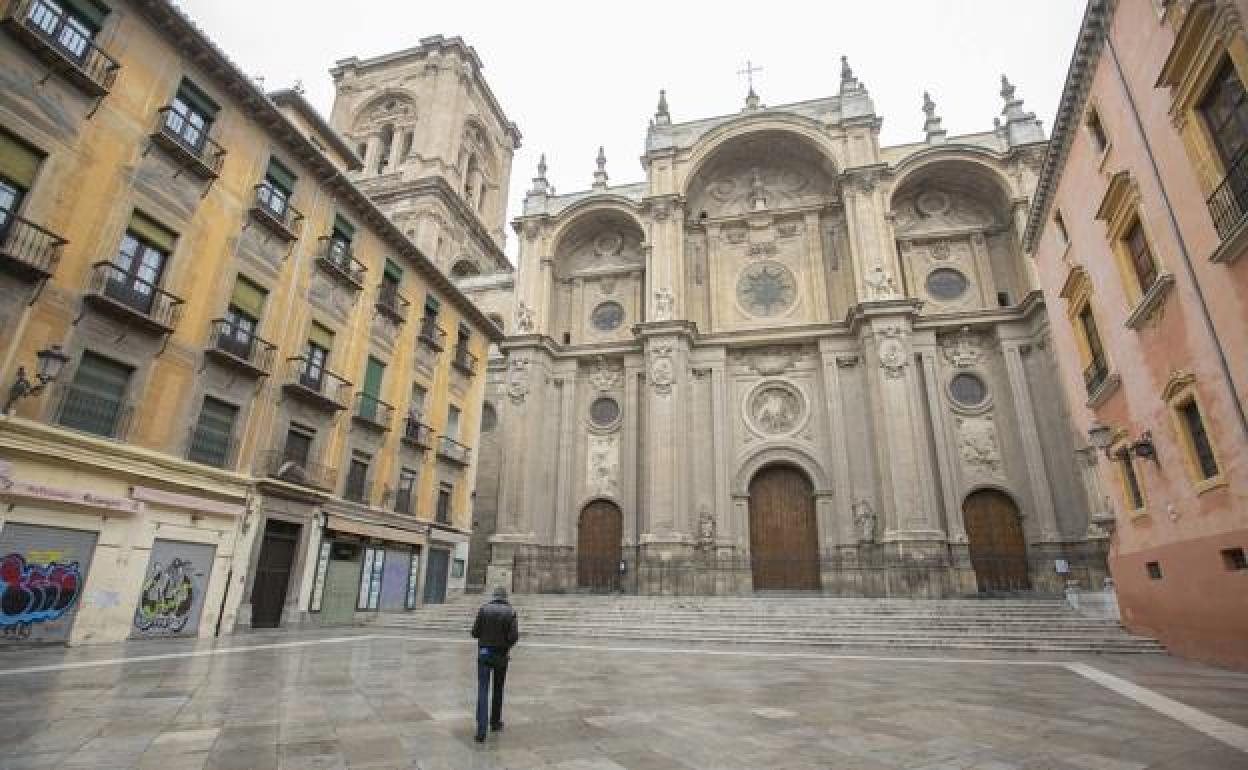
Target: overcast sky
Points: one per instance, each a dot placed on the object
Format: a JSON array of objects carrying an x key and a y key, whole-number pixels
[{"x": 576, "y": 75}]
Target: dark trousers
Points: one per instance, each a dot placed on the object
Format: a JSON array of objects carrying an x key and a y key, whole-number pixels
[{"x": 484, "y": 671}]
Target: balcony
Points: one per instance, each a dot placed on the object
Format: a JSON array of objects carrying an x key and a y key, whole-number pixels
[
  {"x": 431, "y": 334},
  {"x": 464, "y": 361},
  {"x": 211, "y": 447},
  {"x": 131, "y": 299},
  {"x": 372, "y": 412},
  {"x": 1229, "y": 201},
  {"x": 27, "y": 249},
  {"x": 62, "y": 46},
  {"x": 1094, "y": 376},
  {"x": 391, "y": 303},
  {"x": 273, "y": 210},
  {"x": 188, "y": 144},
  {"x": 238, "y": 348},
  {"x": 277, "y": 464},
  {"x": 416, "y": 434},
  {"x": 90, "y": 411},
  {"x": 336, "y": 258},
  {"x": 316, "y": 385},
  {"x": 451, "y": 450}
]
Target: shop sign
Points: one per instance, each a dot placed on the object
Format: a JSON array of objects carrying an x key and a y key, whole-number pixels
[{"x": 10, "y": 487}]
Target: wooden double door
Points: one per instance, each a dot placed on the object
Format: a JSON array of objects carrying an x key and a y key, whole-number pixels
[
  {"x": 784, "y": 535},
  {"x": 599, "y": 548},
  {"x": 994, "y": 534},
  {"x": 277, "y": 558}
]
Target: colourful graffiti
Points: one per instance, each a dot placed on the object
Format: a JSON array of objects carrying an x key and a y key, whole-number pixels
[
  {"x": 167, "y": 598},
  {"x": 33, "y": 593}
]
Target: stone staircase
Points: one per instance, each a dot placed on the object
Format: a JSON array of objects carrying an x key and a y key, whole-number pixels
[{"x": 1002, "y": 625}]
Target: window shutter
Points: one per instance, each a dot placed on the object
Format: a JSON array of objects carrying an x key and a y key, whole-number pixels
[
  {"x": 151, "y": 231},
  {"x": 18, "y": 162},
  {"x": 320, "y": 336},
  {"x": 192, "y": 95},
  {"x": 248, "y": 297},
  {"x": 280, "y": 176},
  {"x": 90, "y": 12},
  {"x": 431, "y": 304},
  {"x": 393, "y": 271},
  {"x": 372, "y": 377},
  {"x": 344, "y": 227}
]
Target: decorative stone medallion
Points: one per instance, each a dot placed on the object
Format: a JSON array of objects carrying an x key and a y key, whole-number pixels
[
  {"x": 607, "y": 316},
  {"x": 766, "y": 288},
  {"x": 892, "y": 352},
  {"x": 945, "y": 283},
  {"x": 776, "y": 408},
  {"x": 608, "y": 244}
]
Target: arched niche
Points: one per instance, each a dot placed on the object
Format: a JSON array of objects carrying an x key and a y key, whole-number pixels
[
  {"x": 956, "y": 236},
  {"x": 599, "y": 269}
]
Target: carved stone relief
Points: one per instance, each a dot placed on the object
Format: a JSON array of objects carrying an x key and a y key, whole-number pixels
[
  {"x": 518, "y": 380},
  {"x": 604, "y": 464},
  {"x": 776, "y": 408},
  {"x": 604, "y": 377},
  {"x": 774, "y": 359},
  {"x": 977, "y": 445},
  {"x": 892, "y": 351},
  {"x": 934, "y": 208},
  {"x": 864, "y": 521},
  {"x": 964, "y": 349},
  {"x": 524, "y": 318},
  {"x": 880, "y": 284},
  {"x": 766, "y": 288},
  {"x": 664, "y": 303},
  {"x": 662, "y": 369}
]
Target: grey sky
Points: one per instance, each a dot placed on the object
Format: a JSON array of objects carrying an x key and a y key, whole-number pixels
[{"x": 574, "y": 75}]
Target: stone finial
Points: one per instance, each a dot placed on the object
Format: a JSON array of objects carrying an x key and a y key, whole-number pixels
[
  {"x": 848, "y": 81},
  {"x": 751, "y": 100},
  {"x": 931, "y": 126},
  {"x": 662, "y": 117},
  {"x": 540, "y": 185},
  {"x": 1021, "y": 127},
  {"x": 1013, "y": 110},
  {"x": 600, "y": 175}
]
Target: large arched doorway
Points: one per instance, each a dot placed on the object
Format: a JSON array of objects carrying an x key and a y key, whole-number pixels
[
  {"x": 994, "y": 532},
  {"x": 598, "y": 546},
  {"x": 784, "y": 538}
]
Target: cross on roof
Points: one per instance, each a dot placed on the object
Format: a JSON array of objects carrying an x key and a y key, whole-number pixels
[{"x": 749, "y": 71}]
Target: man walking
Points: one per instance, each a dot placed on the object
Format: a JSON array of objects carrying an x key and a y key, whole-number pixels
[{"x": 496, "y": 631}]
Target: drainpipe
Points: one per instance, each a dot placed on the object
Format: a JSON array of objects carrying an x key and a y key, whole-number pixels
[{"x": 1178, "y": 235}]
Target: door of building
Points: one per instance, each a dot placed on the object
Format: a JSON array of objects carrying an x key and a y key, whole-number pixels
[
  {"x": 277, "y": 557},
  {"x": 599, "y": 546},
  {"x": 42, "y": 574},
  {"x": 171, "y": 598},
  {"x": 435, "y": 575},
  {"x": 395, "y": 578},
  {"x": 784, "y": 538},
  {"x": 994, "y": 533},
  {"x": 342, "y": 583}
]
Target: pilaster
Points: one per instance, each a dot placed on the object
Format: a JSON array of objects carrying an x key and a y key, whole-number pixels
[
  {"x": 666, "y": 402},
  {"x": 1037, "y": 474}
]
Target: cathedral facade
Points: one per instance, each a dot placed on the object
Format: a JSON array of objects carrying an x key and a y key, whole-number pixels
[{"x": 790, "y": 359}]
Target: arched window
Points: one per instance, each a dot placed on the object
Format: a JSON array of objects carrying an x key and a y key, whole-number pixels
[{"x": 383, "y": 155}]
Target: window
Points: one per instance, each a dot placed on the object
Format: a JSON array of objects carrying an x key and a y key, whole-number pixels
[
  {"x": 1097, "y": 132},
  {"x": 279, "y": 184},
  {"x": 242, "y": 317},
  {"x": 452, "y": 422},
  {"x": 1201, "y": 458},
  {"x": 357, "y": 478},
  {"x": 370, "y": 577},
  {"x": 1096, "y": 369},
  {"x": 1234, "y": 559},
  {"x": 391, "y": 279},
  {"x": 489, "y": 417},
  {"x": 457, "y": 568},
  {"x": 140, "y": 261},
  {"x": 383, "y": 156},
  {"x": 444, "y": 503},
  {"x": 1059, "y": 225},
  {"x": 419, "y": 394},
  {"x": 18, "y": 166},
  {"x": 190, "y": 116},
  {"x": 71, "y": 24},
  {"x": 432, "y": 307},
  {"x": 298, "y": 448},
  {"x": 1154, "y": 570},
  {"x": 214, "y": 432},
  {"x": 405, "y": 498},
  {"x": 94, "y": 403},
  {"x": 1225, "y": 112},
  {"x": 1141, "y": 256},
  {"x": 1130, "y": 480},
  {"x": 340, "y": 242},
  {"x": 370, "y": 394},
  {"x": 405, "y": 148},
  {"x": 320, "y": 342}
]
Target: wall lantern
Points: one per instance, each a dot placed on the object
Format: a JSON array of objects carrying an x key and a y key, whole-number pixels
[{"x": 51, "y": 362}]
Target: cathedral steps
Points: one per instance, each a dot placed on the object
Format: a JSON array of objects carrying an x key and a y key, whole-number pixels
[{"x": 1007, "y": 625}]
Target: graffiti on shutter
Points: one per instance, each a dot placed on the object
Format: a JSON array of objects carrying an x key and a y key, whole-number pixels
[
  {"x": 171, "y": 598},
  {"x": 42, "y": 574}
]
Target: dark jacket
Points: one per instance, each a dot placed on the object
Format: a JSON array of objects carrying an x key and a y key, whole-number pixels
[{"x": 496, "y": 626}]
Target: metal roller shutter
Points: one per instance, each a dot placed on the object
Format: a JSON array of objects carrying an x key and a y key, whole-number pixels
[{"x": 42, "y": 574}]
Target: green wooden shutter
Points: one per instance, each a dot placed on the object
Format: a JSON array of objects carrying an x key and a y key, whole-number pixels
[
  {"x": 393, "y": 271},
  {"x": 280, "y": 176},
  {"x": 248, "y": 297},
  {"x": 372, "y": 377},
  {"x": 153, "y": 232},
  {"x": 320, "y": 336},
  {"x": 192, "y": 95},
  {"x": 344, "y": 227},
  {"x": 91, "y": 12},
  {"x": 18, "y": 162}
]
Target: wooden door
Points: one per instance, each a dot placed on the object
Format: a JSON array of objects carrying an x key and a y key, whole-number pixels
[
  {"x": 277, "y": 556},
  {"x": 342, "y": 584},
  {"x": 784, "y": 538},
  {"x": 435, "y": 575},
  {"x": 994, "y": 532},
  {"x": 599, "y": 546}
]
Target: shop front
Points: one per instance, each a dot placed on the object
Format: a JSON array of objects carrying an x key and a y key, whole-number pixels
[{"x": 363, "y": 568}]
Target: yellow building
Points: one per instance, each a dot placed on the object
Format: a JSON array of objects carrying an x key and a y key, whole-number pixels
[{"x": 269, "y": 395}]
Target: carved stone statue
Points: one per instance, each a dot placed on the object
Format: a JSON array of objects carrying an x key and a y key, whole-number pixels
[
  {"x": 880, "y": 284},
  {"x": 664, "y": 305},
  {"x": 864, "y": 521},
  {"x": 758, "y": 191},
  {"x": 524, "y": 319},
  {"x": 706, "y": 529}
]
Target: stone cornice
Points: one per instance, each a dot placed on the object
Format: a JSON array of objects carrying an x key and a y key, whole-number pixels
[{"x": 289, "y": 96}]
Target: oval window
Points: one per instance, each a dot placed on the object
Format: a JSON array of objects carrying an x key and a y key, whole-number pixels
[{"x": 946, "y": 283}]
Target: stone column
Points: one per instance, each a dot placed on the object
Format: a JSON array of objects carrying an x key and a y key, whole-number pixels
[
  {"x": 870, "y": 236},
  {"x": 566, "y": 486},
  {"x": 666, "y": 403},
  {"x": 630, "y": 456},
  {"x": 1037, "y": 474},
  {"x": 838, "y": 441},
  {"x": 372, "y": 149},
  {"x": 665, "y": 269},
  {"x": 721, "y": 434},
  {"x": 396, "y": 150},
  {"x": 945, "y": 449}
]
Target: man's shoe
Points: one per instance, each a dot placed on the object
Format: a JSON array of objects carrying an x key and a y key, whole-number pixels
[
  {"x": 496, "y": 727},
  {"x": 479, "y": 737}
]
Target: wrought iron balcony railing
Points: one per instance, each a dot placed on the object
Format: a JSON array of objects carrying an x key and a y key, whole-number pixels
[
  {"x": 46, "y": 29},
  {"x": 316, "y": 384},
  {"x": 188, "y": 143},
  {"x": 272, "y": 208},
  {"x": 452, "y": 450},
  {"x": 91, "y": 411},
  {"x": 416, "y": 433},
  {"x": 464, "y": 361},
  {"x": 372, "y": 411},
  {"x": 236, "y": 346},
  {"x": 337, "y": 259},
  {"x": 405, "y": 500},
  {"x": 211, "y": 447},
  {"x": 28, "y": 249},
  {"x": 1094, "y": 375},
  {"x": 278, "y": 464},
  {"x": 1229, "y": 202},
  {"x": 130, "y": 298},
  {"x": 391, "y": 302},
  {"x": 431, "y": 334}
]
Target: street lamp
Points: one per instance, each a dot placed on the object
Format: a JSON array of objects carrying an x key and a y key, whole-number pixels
[{"x": 51, "y": 362}]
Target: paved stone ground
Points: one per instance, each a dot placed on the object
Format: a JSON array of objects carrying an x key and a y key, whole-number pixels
[{"x": 389, "y": 702}]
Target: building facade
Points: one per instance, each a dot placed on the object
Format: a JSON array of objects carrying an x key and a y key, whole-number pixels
[
  {"x": 270, "y": 396},
  {"x": 789, "y": 359},
  {"x": 1138, "y": 232}
]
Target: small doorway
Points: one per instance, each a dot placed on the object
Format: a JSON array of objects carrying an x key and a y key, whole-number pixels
[
  {"x": 342, "y": 583},
  {"x": 994, "y": 533},
  {"x": 277, "y": 557},
  {"x": 784, "y": 537},
  {"x": 599, "y": 546},
  {"x": 435, "y": 575}
]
